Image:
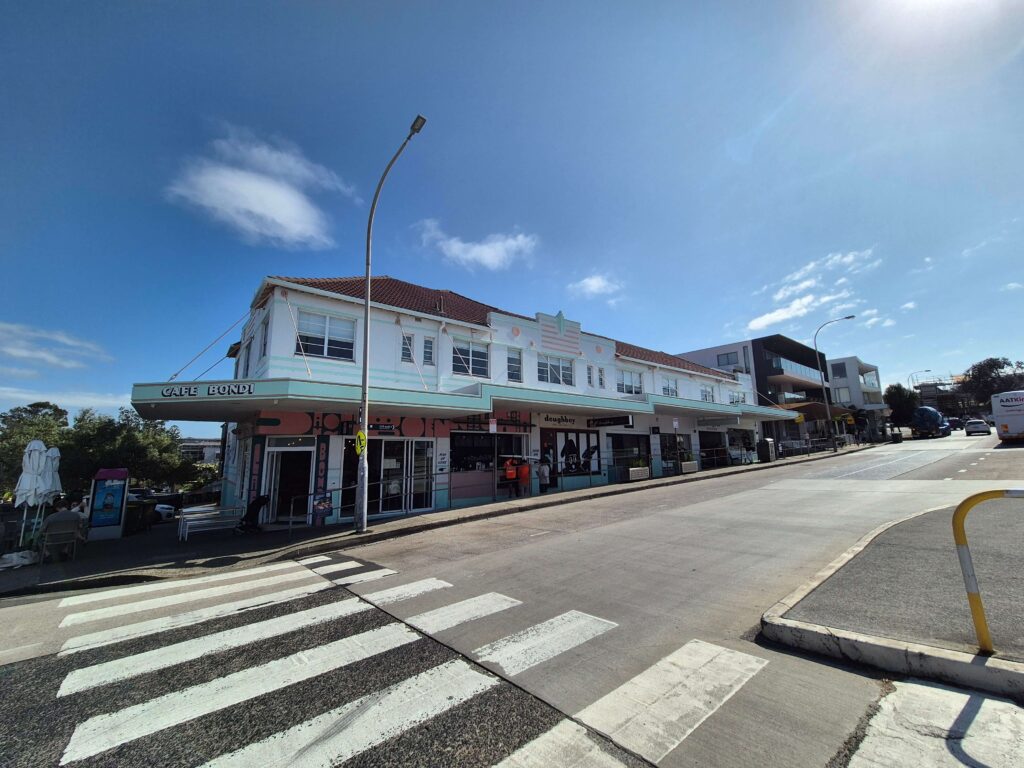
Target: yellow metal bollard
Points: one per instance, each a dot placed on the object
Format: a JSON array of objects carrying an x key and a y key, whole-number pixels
[{"x": 963, "y": 552}]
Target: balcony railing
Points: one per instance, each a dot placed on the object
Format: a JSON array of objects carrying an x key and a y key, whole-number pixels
[{"x": 780, "y": 365}]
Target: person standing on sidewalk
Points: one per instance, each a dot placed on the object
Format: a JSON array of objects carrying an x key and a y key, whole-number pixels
[
  {"x": 544, "y": 473},
  {"x": 523, "y": 471}
]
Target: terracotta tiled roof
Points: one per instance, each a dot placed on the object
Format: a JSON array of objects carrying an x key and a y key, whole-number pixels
[
  {"x": 432, "y": 301},
  {"x": 398, "y": 293},
  {"x": 664, "y": 358}
]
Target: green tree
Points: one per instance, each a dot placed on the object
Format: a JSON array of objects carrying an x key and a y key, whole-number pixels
[
  {"x": 989, "y": 376},
  {"x": 901, "y": 402},
  {"x": 18, "y": 426},
  {"x": 204, "y": 475}
]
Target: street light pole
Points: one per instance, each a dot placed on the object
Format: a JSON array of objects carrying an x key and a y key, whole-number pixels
[
  {"x": 910, "y": 378},
  {"x": 821, "y": 372},
  {"x": 363, "y": 472}
]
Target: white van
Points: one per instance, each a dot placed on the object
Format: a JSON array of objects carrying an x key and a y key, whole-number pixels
[{"x": 1008, "y": 415}]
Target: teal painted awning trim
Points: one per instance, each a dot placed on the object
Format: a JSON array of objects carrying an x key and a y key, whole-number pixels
[{"x": 319, "y": 393}]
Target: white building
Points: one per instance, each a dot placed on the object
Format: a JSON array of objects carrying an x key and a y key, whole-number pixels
[
  {"x": 857, "y": 386},
  {"x": 459, "y": 392}
]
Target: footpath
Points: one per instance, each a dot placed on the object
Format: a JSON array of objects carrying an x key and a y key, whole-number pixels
[
  {"x": 897, "y": 601},
  {"x": 157, "y": 554}
]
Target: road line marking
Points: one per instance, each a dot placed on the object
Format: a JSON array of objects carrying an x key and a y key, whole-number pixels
[
  {"x": 655, "y": 711},
  {"x": 974, "y": 463},
  {"x": 350, "y": 730},
  {"x": 876, "y": 466},
  {"x": 961, "y": 470},
  {"x": 165, "y": 584},
  {"x": 348, "y": 565},
  {"x": 405, "y": 592},
  {"x": 517, "y": 653},
  {"x": 314, "y": 559},
  {"x": 361, "y": 577},
  {"x": 151, "y": 627},
  {"x": 947, "y": 478},
  {"x": 566, "y": 745},
  {"x": 452, "y": 615},
  {"x": 185, "y": 597},
  {"x": 189, "y": 650},
  {"x": 103, "y": 732}
]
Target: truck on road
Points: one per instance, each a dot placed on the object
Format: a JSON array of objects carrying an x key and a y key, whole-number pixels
[
  {"x": 928, "y": 422},
  {"x": 1008, "y": 415}
]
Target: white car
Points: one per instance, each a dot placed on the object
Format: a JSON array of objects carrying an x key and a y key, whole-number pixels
[
  {"x": 167, "y": 512},
  {"x": 977, "y": 427}
]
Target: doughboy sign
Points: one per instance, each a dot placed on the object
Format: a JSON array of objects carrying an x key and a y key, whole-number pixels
[{"x": 208, "y": 390}]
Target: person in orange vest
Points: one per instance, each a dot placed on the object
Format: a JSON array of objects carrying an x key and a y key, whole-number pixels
[
  {"x": 510, "y": 476},
  {"x": 523, "y": 471}
]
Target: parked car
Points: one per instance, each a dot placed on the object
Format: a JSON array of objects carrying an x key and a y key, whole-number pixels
[
  {"x": 166, "y": 512},
  {"x": 977, "y": 427}
]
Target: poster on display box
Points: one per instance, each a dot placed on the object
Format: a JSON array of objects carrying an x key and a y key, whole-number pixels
[{"x": 108, "y": 499}]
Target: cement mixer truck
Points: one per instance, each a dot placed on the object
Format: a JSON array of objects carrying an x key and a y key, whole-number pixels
[{"x": 928, "y": 422}]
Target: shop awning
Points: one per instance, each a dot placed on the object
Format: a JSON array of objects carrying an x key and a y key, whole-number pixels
[{"x": 815, "y": 410}]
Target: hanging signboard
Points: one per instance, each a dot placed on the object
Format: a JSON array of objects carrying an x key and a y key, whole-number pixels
[{"x": 611, "y": 421}]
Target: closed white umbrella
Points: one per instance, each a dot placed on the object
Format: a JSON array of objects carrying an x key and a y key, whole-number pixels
[
  {"x": 29, "y": 489},
  {"x": 50, "y": 487}
]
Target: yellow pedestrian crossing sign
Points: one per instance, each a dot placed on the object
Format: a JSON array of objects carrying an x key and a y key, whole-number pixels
[{"x": 360, "y": 442}]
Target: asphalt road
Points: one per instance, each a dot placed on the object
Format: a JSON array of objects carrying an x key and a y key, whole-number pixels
[{"x": 619, "y": 631}]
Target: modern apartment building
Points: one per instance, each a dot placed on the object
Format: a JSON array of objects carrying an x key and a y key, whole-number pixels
[
  {"x": 786, "y": 376},
  {"x": 856, "y": 385},
  {"x": 460, "y": 394}
]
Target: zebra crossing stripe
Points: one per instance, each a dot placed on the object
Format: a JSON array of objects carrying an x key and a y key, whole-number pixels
[
  {"x": 567, "y": 745},
  {"x": 163, "y": 585},
  {"x": 162, "y": 624},
  {"x": 184, "y": 597},
  {"x": 348, "y": 565},
  {"x": 361, "y": 577},
  {"x": 167, "y": 656},
  {"x": 103, "y": 732},
  {"x": 314, "y": 559},
  {"x": 405, "y": 592},
  {"x": 347, "y": 731},
  {"x": 652, "y": 713},
  {"x": 462, "y": 611},
  {"x": 517, "y": 653}
]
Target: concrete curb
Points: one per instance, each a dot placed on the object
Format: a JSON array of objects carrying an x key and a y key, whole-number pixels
[
  {"x": 418, "y": 524},
  {"x": 982, "y": 673}
]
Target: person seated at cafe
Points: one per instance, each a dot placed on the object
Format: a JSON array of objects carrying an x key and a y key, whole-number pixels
[{"x": 62, "y": 514}]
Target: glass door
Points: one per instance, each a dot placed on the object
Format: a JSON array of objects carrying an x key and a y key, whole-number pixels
[
  {"x": 272, "y": 468},
  {"x": 392, "y": 476},
  {"x": 421, "y": 460}
]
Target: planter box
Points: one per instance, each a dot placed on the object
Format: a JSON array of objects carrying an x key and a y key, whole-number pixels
[
  {"x": 639, "y": 473},
  {"x": 688, "y": 467}
]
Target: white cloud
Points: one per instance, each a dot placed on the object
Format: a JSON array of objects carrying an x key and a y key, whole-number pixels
[
  {"x": 793, "y": 289},
  {"x": 871, "y": 322},
  {"x": 25, "y": 343},
  {"x": 614, "y": 301},
  {"x": 18, "y": 373},
  {"x": 796, "y": 308},
  {"x": 909, "y": 305},
  {"x": 259, "y": 189},
  {"x": 829, "y": 298},
  {"x": 865, "y": 267},
  {"x": 13, "y": 396},
  {"x": 594, "y": 285},
  {"x": 1012, "y": 287},
  {"x": 494, "y": 252},
  {"x": 888, "y": 322},
  {"x": 842, "y": 281},
  {"x": 869, "y": 312}
]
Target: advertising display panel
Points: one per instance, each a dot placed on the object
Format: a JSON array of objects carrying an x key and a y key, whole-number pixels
[{"x": 107, "y": 503}]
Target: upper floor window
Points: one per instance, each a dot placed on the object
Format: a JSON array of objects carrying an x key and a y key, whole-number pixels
[
  {"x": 246, "y": 353},
  {"x": 428, "y": 350},
  {"x": 737, "y": 397},
  {"x": 728, "y": 358},
  {"x": 600, "y": 377},
  {"x": 707, "y": 394},
  {"x": 670, "y": 387},
  {"x": 324, "y": 336},
  {"x": 470, "y": 358},
  {"x": 590, "y": 375},
  {"x": 838, "y": 370},
  {"x": 554, "y": 370},
  {"x": 842, "y": 394},
  {"x": 408, "y": 340},
  {"x": 515, "y": 365},
  {"x": 264, "y": 333},
  {"x": 630, "y": 382}
]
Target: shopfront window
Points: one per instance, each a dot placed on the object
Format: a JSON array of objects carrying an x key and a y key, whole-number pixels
[{"x": 571, "y": 452}]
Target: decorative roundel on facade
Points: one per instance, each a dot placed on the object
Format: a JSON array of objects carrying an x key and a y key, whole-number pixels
[
  {"x": 516, "y": 331},
  {"x": 599, "y": 350}
]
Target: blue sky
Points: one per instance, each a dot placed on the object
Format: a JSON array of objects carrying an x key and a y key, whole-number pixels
[{"x": 676, "y": 175}]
